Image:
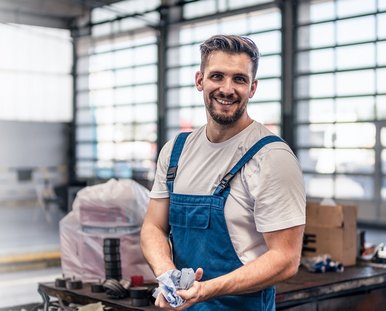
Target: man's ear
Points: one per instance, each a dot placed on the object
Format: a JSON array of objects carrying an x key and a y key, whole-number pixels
[
  {"x": 198, "y": 80},
  {"x": 253, "y": 88}
]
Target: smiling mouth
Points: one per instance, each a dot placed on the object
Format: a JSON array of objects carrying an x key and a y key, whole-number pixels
[{"x": 224, "y": 101}]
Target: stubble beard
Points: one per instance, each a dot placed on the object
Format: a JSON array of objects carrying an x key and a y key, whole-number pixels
[{"x": 223, "y": 119}]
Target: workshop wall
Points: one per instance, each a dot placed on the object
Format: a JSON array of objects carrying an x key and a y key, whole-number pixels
[{"x": 31, "y": 153}]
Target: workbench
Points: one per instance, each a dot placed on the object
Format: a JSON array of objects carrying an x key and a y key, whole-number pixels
[{"x": 361, "y": 288}]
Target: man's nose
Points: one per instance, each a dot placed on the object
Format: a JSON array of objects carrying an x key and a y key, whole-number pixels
[{"x": 227, "y": 87}]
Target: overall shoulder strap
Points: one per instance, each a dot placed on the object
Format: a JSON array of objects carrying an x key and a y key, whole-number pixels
[
  {"x": 174, "y": 158},
  {"x": 224, "y": 183}
]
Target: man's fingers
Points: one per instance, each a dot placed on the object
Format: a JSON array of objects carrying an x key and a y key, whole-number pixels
[{"x": 199, "y": 274}]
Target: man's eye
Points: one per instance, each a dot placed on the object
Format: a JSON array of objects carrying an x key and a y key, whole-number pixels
[
  {"x": 216, "y": 76},
  {"x": 240, "y": 79}
]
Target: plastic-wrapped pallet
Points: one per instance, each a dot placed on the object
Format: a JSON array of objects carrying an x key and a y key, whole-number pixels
[{"x": 114, "y": 209}]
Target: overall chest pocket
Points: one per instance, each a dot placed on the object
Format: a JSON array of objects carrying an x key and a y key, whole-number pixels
[{"x": 189, "y": 211}]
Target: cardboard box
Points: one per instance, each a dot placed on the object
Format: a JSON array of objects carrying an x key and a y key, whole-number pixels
[{"x": 331, "y": 230}]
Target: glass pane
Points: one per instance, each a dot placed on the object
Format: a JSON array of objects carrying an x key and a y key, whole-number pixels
[
  {"x": 182, "y": 76},
  {"x": 356, "y": 82},
  {"x": 84, "y": 169},
  {"x": 266, "y": 113},
  {"x": 319, "y": 186},
  {"x": 82, "y": 83},
  {"x": 82, "y": 65},
  {"x": 383, "y": 190},
  {"x": 329, "y": 161},
  {"x": 381, "y": 80},
  {"x": 124, "y": 77},
  {"x": 199, "y": 8},
  {"x": 269, "y": 66},
  {"x": 145, "y": 93},
  {"x": 316, "y": 11},
  {"x": 382, "y": 26},
  {"x": 317, "y": 160},
  {"x": 104, "y": 169},
  {"x": 237, "y": 25},
  {"x": 123, "y": 132},
  {"x": 99, "y": 62},
  {"x": 105, "y": 132},
  {"x": 104, "y": 115},
  {"x": 382, "y": 5},
  {"x": 105, "y": 151},
  {"x": 269, "y": 89},
  {"x": 84, "y": 116},
  {"x": 146, "y": 113},
  {"x": 102, "y": 97},
  {"x": 187, "y": 118},
  {"x": 244, "y": 3},
  {"x": 364, "y": 29},
  {"x": 123, "y": 95},
  {"x": 355, "y": 135},
  {"x": 184, "y": 96},
  {"x": 123, "y": 58},
  {"x": 355, "y": 109},
  {"x": 147, "y": 132},
  {"x": 355, "y": 161},
  {"x": 322, "y": 110},
  {"x": 318, "y": 35},
  {"x": 145, "y": 74},
  {"x": 381, "y": 107},
  {"x": 354, "y": 187},
  {"x": 264, "y": 20},
  {"x": 383, "y": 137},
  {"x": 361, "y": 55},
  {"x": 268, "y": 42},
  {"x": 317, "y": 60},
  {"x": 101, "y": 79},
  {"x": 85, "y": 151},
  {"x": 145, "y": 55},
  {"x": 381, "y": 55},
  {"x": 315, "y": 135},
  {"x": 85, "y": 133},
  {"x": 310, "y": 86},
  {"x": 124, "y": 114},
  {"x": 355, "y": 7},
  {"x": 82, "y": 99},
  {"x": 383, "y": 154}
]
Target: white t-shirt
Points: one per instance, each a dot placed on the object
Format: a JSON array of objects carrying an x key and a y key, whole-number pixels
[{"x": 266, "y": 195}]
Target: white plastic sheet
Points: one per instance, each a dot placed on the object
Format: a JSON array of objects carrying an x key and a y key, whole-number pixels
[{"x": 114, "y": 209}]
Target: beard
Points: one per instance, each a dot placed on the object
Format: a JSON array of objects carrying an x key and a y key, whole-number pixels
[{"x": 224, "y": 119}]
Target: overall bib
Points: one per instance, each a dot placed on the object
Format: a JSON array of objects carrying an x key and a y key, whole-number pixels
[{"x": 200, "y": 237}]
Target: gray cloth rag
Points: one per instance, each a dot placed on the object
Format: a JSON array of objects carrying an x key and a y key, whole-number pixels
[{"x": 173, "y": 280}]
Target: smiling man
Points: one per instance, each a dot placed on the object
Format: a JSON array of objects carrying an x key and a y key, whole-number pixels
[{"x": 228, "y": 199}]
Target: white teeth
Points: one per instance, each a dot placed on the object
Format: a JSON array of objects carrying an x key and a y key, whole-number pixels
[{"x": 224, "y": 102}]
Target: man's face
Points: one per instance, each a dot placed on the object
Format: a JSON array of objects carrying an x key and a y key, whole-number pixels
[{"x": 227, "y": 85}]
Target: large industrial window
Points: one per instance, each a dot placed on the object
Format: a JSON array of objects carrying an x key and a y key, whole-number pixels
[
  {"x": 185, "y": 108},
  {"x": 341, "y": 102},
  {"x": 35, "y": 85},
  {"x": 116, "y": 112}
]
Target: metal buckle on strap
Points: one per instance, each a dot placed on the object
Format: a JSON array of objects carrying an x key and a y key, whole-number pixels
[
  {"x": 172, "y": 172},
  {"x": 225, "y": 181}
]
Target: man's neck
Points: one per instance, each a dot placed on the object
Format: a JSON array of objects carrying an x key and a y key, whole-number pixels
[{"x": 217, "y": 133}]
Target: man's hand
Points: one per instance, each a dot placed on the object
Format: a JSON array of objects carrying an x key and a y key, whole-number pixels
[{"x": 191, "y": 296}]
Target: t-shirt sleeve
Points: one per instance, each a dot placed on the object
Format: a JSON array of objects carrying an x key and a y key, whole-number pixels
[
  {"x": 159, "y": 189},
  {"x": 277, "y": 186}
]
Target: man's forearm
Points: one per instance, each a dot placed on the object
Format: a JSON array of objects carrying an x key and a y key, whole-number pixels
[
  {"x": 156, "y": 249},
  {"x": 280, "y": 262},
  {"x": 263, "y": 272}
]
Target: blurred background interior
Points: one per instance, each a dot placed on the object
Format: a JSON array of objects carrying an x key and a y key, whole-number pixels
[{"x": 91, "y": 89}]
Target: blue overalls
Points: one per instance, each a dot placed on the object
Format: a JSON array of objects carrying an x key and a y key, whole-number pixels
[{"x": 200, "y": 237}]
